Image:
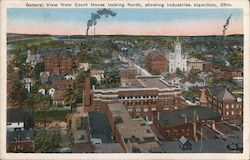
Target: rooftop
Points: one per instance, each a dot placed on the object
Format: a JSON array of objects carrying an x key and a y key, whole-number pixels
[
  {"x": 154, "y": 82},
  {"x": 25, "y": 135},
  {"x": 21, "y": 115},
  {"x": 100, "y": 127},
  {"x": 107, "y": 148},
  {"x": 60, "y": 94},
  {"x": 134, "y": 130},
  {"x": 208, "y": 146},
  {"x": 174, "y": 118},
  {"x": 221, "y": 93},
  {"x": 146, "y": 82}
]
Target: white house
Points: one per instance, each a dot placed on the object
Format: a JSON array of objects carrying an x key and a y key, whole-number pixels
[
  {"x": 28, "y": 84},
  {"x": 186, "y": 85},
  {"x": 98, "y": 74},
  {"x": 51, "y": 91},
  {"x": 42, "y": 91},
  {"x": 177, "y": 59},
  {"x": 84, "y": 66},
  {"x": 69, "y": 77},
  {"x": 33, "y": 59}
]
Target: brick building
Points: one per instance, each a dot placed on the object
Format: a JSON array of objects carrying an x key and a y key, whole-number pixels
[
  {"x": 221, "y": 100},
  {"x": 156, "y": 63},
  {"x": 174, "y": 124},
  {"x": 152, "y": 95},
  {"x": 60, "y": 63}
]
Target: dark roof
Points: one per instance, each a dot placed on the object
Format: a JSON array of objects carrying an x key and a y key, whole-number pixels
[
  {"x": 21, "y": 115},
  {"x": 100, "y": 127},
  {"x": 175, "y": 118},
  {"x": 221, "y": 93},
  {"x": 23, "y": 135}
]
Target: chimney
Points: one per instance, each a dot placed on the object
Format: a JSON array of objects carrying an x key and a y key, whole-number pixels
[
  {"x": 213, "y": 126},
  {"x": 194, "y": 126},
  {"x": 158, "y": 116},
  {"x": 185, "y": 117},
  {"x": 194, "y": 131},
  {"x": 197, "y": 117},
  {"x": 87, "y": 93}
]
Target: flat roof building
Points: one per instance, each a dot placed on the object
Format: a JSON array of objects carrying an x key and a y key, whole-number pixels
[
  {"x": 151, "y": 94},
  {"x": 133, "y": 134}
]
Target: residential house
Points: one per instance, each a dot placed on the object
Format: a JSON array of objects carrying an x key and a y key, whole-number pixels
[
  {"x": 84, "y": 66},
  {"x": 44, "y": 77},
  {"x": 33, "y": 59},
  {"x": 194, "y": 63},
  {"x": 59, "y": 96},
  {"x": 28, "y": 84},
  {"x": 187, "y": 84},
  {"x": 42, "y": 91},
  {"x": 98, "y": 74},
  {"x": 69, "y": 77},
  {"x": 51, "y": 91}
]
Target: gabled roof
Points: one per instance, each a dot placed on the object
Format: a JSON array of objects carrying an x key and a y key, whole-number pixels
[{"x": 222, "y": 93}]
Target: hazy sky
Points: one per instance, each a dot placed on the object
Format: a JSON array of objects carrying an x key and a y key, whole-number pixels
[{"x": 127, "y": 21}]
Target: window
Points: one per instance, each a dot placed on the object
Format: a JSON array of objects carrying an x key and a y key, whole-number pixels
[
  {"x": 232, "y": 113},
  {"x": 227, "y": 106},
  {"x": 145, "y": 109},
  {"x": 138, "y": 110},
  {"x": 232, "y": 106},
  {"x": 239, "y": 112},
  {"x": 167, "y": 133},
  {"x": 130, "y": 110},
  {"x": 175, "y": 132},
  {"x": 153, "y": 109},
  {"x": 227, "y": 113}
]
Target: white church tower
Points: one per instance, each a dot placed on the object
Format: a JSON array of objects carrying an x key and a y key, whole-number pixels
[{"x": 177, "y": 59}]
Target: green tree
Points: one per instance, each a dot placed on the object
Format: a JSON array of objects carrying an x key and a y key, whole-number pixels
[
  {"x": 112, "y": 78},
  {"x": 235, "y": 59},
  {"x": 19, "y": 94},
  {"x": 178, "y": 72},
  {"x": 189, "y": 95},
  {"x": 39, "y": 67},
  {"x": 47, "y": 141}
]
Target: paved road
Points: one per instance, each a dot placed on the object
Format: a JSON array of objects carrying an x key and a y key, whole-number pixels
[{"x": 139, "y": 69}]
